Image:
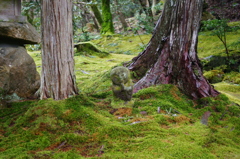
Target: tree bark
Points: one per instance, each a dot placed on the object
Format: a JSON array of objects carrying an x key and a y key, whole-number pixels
[
  {"x": 58, "y": 78},
  {"x": 107, "y": 25},
  {"x": 171, "y": 54}
]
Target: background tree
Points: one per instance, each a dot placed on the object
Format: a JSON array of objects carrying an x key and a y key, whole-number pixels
[
  {"x": 57, "y": 78},
  {"x": 171, "y": 54},
  {"x": 107, "y": 25},
  {"x": 121, "y": 16}
]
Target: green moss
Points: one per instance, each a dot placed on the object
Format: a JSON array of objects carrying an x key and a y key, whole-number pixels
[
  {"x": 84, "y": 126},
  {"x": 232, "y": 77},
  {"x": 214, "y": 76},
  {"x": 210, "y": 45},
  {"x": 88, "y": 48},
  {"x": 230, "y": 90}
]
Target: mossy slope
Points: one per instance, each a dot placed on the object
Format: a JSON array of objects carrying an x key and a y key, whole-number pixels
[{"x": 83, "y": 126}]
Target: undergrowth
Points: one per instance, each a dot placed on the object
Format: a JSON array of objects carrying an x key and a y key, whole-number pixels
[{"x": 87, "y": 126}]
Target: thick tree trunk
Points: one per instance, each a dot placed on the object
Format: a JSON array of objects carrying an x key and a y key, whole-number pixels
[
  {"x": 171, "y": 54},
  {"x": 107, "y": 25},
  {"x": 57, "y": 79}
]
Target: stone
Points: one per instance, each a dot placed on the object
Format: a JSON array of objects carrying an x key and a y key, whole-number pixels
[
  {"x": 18, "y": 33},
  {"x": 205, "y": 117},
  {"x": 122, "y": 85},
  {"x": 10, "y": 11},
  {"x": 18, "y": 72},
  {"x": 10, "y": 7}
]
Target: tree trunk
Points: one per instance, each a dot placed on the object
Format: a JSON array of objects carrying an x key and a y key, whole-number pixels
[
  {"x": 145, "y": 5},
  {"x": 97, "y": 13},
  {"x": 107, "y": 25},
  {"x": 57, "y": 79},
  {"x": 121, "y": 16},
  {"x": 154, "y": 2},
  {"x": 171, "y": 54}
]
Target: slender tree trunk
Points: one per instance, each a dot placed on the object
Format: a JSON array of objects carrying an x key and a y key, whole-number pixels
[
  {"x": 171, "y": 54},
  {"x": 154, "y": 2},
  {"x": 107, "y": 25},
  {"x": 57, "y": 79},
  {"x": 121, "y": 16},
  {"x": 97, "y": 13},
  {"x": 147, "y": 9}
]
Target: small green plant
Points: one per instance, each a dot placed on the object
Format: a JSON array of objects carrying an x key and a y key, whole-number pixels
[{"x": 218, "y": 28}]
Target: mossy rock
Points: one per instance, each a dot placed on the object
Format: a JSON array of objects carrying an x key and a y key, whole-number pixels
[
  {"x": 214, "y": 76},
  {"x": 88, "y": 48}
]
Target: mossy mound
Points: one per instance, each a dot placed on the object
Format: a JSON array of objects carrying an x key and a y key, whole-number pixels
[
  {"x": 88, "y": 48},
  {"x": 86, "y": 126}
]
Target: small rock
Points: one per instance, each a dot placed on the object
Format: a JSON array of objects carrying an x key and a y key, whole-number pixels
[
  {"x": 143, "y": 113},
  {"x": 205, "y": 117}
]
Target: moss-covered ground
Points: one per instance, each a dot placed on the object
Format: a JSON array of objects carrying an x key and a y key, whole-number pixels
[{"x": 162, "y": 123}]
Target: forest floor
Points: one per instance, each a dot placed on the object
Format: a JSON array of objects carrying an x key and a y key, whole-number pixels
[{"x": 161, "y": 122}]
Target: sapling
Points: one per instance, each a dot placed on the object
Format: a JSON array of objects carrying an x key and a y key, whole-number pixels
[{"x": 219, "y": 28}]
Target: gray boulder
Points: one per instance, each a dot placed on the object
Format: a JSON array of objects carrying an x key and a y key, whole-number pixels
[
  {"x": 18, "y": 33},
  {"x": 18, "y": 74}
]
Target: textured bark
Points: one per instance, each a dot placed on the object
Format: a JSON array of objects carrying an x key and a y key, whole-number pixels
[
  {"x": 107, "y": 25},
  {"x": 57, "y": 79},
  {"x": 171, "y": 54}
]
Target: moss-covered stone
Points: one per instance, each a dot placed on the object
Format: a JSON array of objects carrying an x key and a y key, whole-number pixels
[
  {"x": 88, "y": 48},
  {"x": 122, "y": 85}
]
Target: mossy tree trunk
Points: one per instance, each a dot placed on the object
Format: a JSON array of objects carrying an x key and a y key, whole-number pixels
[
  {"x": 58, "y": 78},
  {"x": 171, "y": 54},
  {"x": 107, "y": 25}
]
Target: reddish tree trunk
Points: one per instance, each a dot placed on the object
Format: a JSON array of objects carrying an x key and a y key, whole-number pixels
[
  {"x": 58, "y": 78},
  {"x": 171, "y": 54}
]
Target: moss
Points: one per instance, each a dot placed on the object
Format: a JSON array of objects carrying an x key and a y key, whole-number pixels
[
  {"x": 210, "y": 45},
  {"x": 88, "y": 48},
  {"x": 230, "y": 90},
  {"x": 232, "y": 77},
  {"x": 82, "y": 126},
  {"x": 214, "y": 76}
]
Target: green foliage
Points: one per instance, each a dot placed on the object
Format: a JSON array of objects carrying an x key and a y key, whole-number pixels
[
  {"x": 31, "y": 9},
  {"x": 219, "y": 28},
  {"x": 144, "y": 23}
]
